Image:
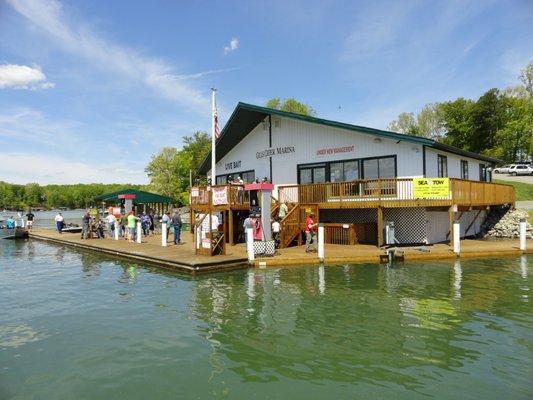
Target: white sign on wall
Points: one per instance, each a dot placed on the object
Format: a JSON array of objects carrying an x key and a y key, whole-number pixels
[{"x": 220, "y": 195}]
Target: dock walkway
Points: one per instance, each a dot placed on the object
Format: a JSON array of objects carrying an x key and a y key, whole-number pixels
[{"x": 182, "y": 257}]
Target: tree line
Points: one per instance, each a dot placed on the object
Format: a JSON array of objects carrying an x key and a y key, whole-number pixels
[
  {"x": 497, "y": 124},
  {"x": 13, "y": 196}
]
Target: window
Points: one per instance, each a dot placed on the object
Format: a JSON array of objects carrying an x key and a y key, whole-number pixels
[
  {"x": 371, "y": 168},
  {"x": 347, "y": 170},
  {"x": 482, "y": 172},
  {"x": 387, "y": 167},
  {"x": 312, "y": 174},
  {"x": 383, "y": 167},
  {"x": 464, "y": 169},
  {"x": 442, "y": 166},
  {"x": 247, "y": 177},
  {"x": 344, "y": 171}
]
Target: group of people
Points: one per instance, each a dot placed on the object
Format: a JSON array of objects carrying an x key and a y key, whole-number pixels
[
  {"x": 254, "y": 221},
  {"x": 309, "y": 228},
  {"x": 127, "y": 224}
]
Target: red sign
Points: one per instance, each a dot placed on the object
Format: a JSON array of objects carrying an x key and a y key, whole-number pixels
[
  {"x": 126, "y": 196},
  {"x": 335, "y": 150}
]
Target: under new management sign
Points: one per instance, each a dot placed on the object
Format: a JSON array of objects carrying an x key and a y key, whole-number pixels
[{"x": 431, "y": 188}]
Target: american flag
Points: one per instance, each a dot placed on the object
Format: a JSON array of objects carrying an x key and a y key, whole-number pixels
[{"x": 215, "y": 116}]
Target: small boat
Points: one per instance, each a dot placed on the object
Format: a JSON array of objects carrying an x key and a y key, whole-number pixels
[
  {"x": 72, "y": 229},
  {"x": 13, "y": 233}
]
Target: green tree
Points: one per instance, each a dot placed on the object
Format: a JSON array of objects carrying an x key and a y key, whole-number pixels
[
  {"x": 196, "y": 146},
  {"x": 406, "y": 124},
  {"x": 291, "y": 105},
  {"x": 457, "y": 122},
  {"x": 430, "y": 122},
  {"x": 33, "y": 194}
]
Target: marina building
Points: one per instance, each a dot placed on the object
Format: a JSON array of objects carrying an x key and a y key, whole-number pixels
[{"x": 356, "y": 180}]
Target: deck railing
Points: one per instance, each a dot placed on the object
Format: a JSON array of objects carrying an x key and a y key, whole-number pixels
[
  {"x": 461, "y": 192},
  {"x": 219, "y": 195}
]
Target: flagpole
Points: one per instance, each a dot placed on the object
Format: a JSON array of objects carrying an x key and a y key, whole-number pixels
[{"x": 213, "y": 138}]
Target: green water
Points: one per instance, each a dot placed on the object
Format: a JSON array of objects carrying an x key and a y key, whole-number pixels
[{"x": 74, "y": 325}]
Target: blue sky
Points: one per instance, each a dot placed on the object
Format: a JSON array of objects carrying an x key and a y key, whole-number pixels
[{"x": 89, "y": 90}]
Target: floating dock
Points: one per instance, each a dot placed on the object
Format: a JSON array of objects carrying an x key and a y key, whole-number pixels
[{"x": 182, "y": 257}]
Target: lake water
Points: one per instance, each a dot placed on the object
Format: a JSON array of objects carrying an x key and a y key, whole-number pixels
[
  {"x": 75, "y": 325},
  {"x": 45, "y": 219}
]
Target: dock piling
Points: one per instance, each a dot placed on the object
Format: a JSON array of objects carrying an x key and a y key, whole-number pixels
[
  {"x": 456, "y": 237},
  {"x": 321, "y": 242},
  {"x": 522, "y": 231},
  {"x": 250, "y": 244},
  {"x": 164, "y": 234},
  {"x": 139, "y": 233}
]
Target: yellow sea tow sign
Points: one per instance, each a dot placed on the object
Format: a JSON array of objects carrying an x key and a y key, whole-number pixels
[{"x": 431, "y": 188}]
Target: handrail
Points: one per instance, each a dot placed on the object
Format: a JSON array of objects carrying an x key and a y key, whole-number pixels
[{"x": 462, "y": 192}]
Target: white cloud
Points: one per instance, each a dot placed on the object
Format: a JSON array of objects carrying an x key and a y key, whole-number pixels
[
  {"x": 233, "y": 45},
  {"x": 82, "y": 41},
  {"x": 23, "y": 77},
  {"x": 45, "y": 169}
]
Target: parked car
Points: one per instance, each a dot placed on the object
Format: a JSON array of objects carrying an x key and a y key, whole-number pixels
[
  {"x": 521, "y": 170},
  {"x": 503, "y": 169}
]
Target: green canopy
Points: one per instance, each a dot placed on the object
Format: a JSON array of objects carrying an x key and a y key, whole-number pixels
[{"x": 140, "y": 197}]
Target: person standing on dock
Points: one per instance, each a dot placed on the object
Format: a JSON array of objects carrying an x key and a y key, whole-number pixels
[
  {"x": 276, "y": 232},
  {"x": 132, "y": 224},
  {"x": 30, "y": 217},
  {"x": 166, "y": 219},
  {"x": 60, "y": 221},
  {"x": 310, "y": 234},
  {"x": 176, "y": 223},
  {"x": 86, "y": 225},
  {"x": 111, "y": 224},
  {"x": 145, "y": 223}
]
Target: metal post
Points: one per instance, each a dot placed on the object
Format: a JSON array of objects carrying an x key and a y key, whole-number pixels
[
  {"x": 456, "y": 237},
  {"x": 321, "y": 242},
  {"x": 116, "y": 229},
  {"x": 139, "y": 232},
  {"x": 250, "y": 244},
  {"x": 164, "y": 234},
  {"x": 522, "y": 234}
]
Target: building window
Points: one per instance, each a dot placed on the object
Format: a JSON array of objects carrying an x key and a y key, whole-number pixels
[
  {"x": 247, "y": 177},
  {"x": 464, "y": 169},
  {"x": 442, "y": 166},
  {"x": 482, "y": 172},
  {"x": 382, "y": 167},
  {"x": 347, "y": 170},
  {"x": 344, "y": 171},
  {"x": 312, "y": 174}
]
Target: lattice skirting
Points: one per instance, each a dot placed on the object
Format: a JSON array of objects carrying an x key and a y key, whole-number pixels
[
  {"x": 349, "y": 216},
  {"x": 410, "y": 224}
]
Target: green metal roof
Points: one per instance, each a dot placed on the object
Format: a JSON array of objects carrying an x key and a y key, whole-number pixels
[
  {"x": 140, "y": 197},
  {"x": 246, "y": 117}
]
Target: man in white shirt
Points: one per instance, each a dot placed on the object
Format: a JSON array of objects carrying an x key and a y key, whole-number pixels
[
  {"x": 111, "y": 222},
  {"x": 59, "y": 222},
  {"x": 276, "y": 231}
]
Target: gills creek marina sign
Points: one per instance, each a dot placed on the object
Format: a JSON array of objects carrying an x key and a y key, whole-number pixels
[{"x": 275, "y": 151}]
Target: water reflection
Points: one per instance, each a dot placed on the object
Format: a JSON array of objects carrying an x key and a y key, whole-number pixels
[{"x": 364, "y": 323}]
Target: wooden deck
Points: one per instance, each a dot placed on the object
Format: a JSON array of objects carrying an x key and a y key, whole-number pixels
[{"x": 183, "y": 257}]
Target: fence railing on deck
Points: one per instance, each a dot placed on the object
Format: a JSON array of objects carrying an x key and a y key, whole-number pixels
[
  {"x": 219, "y": 195},
  {"x": 460, "y": 192}
]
